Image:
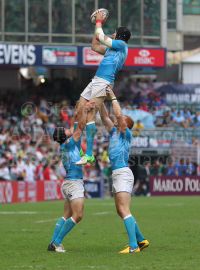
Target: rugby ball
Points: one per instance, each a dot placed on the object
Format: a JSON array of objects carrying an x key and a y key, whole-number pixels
[{"x": 105, "y": 15}]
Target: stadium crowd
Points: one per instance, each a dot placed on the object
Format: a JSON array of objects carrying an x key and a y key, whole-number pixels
[{"x": 28, "y": 118}]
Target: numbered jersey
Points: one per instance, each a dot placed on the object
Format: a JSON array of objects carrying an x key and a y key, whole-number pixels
[{"x": 70, "y": 155}]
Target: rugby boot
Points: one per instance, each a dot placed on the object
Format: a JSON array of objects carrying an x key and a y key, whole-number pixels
[
  {"x": 129, "y": 249},
  {"x": 85, "y": 159},
  {"x": 143, "y": 244}
]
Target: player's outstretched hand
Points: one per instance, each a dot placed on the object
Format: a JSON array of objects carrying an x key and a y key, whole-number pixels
[
  {"x": 90, "y": 105},
  {"x": 99, "y": 15},
  {"x": 110, "y": 92}
]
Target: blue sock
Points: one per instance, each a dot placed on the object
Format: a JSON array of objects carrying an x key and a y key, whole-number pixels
[
  {"x": 57, "y": 228},
  {"x": 129, "y": 222},
  {"x": 139, "y": 235},
  {"x": 78, "y": 144},
  {"x": 67, "y": 226},
  {"x": 90, "y": 132}
]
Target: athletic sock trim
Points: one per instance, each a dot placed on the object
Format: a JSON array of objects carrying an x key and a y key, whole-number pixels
[
  {"x": 90, "y": 123},
  {"x": 75, "y": 122},
  {"x": 128, "y": 216},
  {"x": 64, "y": 218},
  {"x": 73, "y": 220}
]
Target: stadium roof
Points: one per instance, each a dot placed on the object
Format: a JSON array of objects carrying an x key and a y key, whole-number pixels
[{"x": 193, "y": 59}]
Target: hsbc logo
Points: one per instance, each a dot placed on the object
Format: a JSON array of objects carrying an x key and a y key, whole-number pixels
[
  {"x": 6, "y": 192},
  {"x": 144, "y": 58},
  {"x": 144, "y": 53}
]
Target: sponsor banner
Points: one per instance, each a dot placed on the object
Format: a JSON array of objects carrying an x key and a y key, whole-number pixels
[
  {"x": 174, "y": 185},
  {"x": 8, "y": 191},
  {"x": 146, "y": 57},
  {"x": 181, "y": 92},
  {"x": 59, "y": 55},
  {"x": 90, "y": 57},
  {"x": 93, "y": 188},
  {"x": 52, "y": 190},
  {"x": 21, "y": 191},
  {"x": 137, "y": 57},
  {"x": 31, "y": 191},
  {"x": 147, "y": 142}
]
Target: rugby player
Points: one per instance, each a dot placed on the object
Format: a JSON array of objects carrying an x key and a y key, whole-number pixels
[
  {"x": 72, "y": 186},
  {"x": 123, "y": 179},
  {"x": 115, "y": 52}
]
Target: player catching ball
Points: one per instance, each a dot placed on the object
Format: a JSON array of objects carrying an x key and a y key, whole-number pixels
[
  {"x": 122, "y": 176},
  {"x": 72, "y": 186},
  {"x": 115, "y": 52}
]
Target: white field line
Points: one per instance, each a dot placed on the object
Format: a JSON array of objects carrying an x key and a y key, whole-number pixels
[
  {"x": 175, "y": 204},
  {"x": 47, "y": 220},
  {"x": 102, "y": 213},
  {"x": 100, "y": 267},
  {"x": 18, "y": 213}
]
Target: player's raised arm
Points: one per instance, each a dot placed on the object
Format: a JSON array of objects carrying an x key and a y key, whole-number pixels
[
  {"x": 100, "y": 37},
  {"x": 105, "y": 118},
  {"x": 82, "y": 122},
  {"x": 117, "y": 111},
  {"x": 96, "y": 45}
]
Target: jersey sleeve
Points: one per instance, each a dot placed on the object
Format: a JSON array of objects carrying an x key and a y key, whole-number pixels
[
  {"x": 112, "y": 131},
  {"x": 127, "y": 134},
  {"x": 118, "y": 45}
]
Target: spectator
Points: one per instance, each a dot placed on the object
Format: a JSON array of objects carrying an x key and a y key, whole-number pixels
[
  {"x": 142, "y": 186},
  {"x": 179, "y": 168},
  {"x": 192, "y": 109},
  {"x": 163, "y": 99},
  {"x": 189, "y": 168},
  {"x": 187, "y": 114},
  {"x": 180, "y": 120},
  {"x": 194, "y": 141},
  {"x": 143, "y": 106},
  {"x": 4, "y": 172},
  {"x": 138, "y": 128},
  {"x": 167, "y": 119},
  {"x": 173, "y": 112},
  {"x": 38, "y": 172},
  {"x": 46, "y": 171},
  {"x": 29, "y": 171}
]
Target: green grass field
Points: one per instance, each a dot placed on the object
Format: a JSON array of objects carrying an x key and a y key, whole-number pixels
[{"x": 171, "y": 224}]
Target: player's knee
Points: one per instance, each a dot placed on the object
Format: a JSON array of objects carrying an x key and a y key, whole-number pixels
[
  {"x": 120, "y": 211},
  {"x": 123, "y": 211},
  {"x": 79, "y": 217}
]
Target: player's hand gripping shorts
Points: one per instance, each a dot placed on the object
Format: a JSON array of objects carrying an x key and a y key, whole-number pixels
[
  {"x": 123, "y": 180},
  {"x": 97, "y": 88},
  {"x": 73, "y": 189}
]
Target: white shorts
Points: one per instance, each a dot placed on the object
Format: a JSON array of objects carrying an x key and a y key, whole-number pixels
[
  {"x": 97, "y": 88},
  {"x": 123, "y": 180},
  {"x": 73, "y": 189}
]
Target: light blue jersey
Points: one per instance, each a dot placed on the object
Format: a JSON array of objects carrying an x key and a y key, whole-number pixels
[
  {"x": 119, "y": 148},
  {"x": 113, "y": 60},
  {"x": 70, "y": 155}
]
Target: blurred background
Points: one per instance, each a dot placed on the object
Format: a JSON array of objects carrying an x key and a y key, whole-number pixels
[{"x": 46, "y": 61}]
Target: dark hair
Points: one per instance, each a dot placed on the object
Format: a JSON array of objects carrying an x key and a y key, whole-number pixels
[
  {"x": 59, "y": 135},
  {"x": 123, "y": 33}
]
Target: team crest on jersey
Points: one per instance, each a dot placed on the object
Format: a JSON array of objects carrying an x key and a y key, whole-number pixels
[{"x": 69, "y": 195}]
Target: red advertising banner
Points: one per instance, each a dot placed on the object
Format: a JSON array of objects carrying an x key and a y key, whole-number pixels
[
  {"x": 137, "y": 57},
  {"x": 146, "y": 57},
  {"x": 175, "y": 185},
  {"x": 21, "y": 191},
  {"x": 90, "y": 57},
  {"x": 31, "y": 191},
  {"x": 8, "y": 192}
]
